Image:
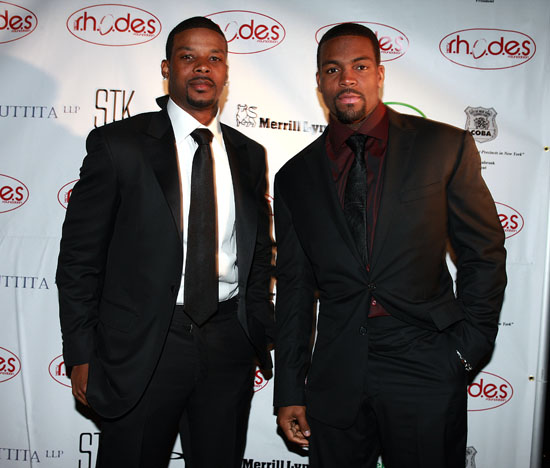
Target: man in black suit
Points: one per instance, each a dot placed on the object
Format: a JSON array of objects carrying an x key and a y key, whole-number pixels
[
  {"x": 363, "y": 217},
  {"x": 159, "y": 345}
]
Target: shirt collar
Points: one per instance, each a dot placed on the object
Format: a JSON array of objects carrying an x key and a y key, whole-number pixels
[
  {"x": 375, "y": 125},
  {"x": 184, "y": 123}
]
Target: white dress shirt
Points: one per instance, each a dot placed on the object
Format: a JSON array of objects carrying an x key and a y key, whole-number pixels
[{"x": 183, "y": 124}]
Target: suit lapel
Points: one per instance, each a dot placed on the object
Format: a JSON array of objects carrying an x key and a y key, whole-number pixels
[
  {"x": 318, "y": 165},
  {"x": 245, "y": 204},
  {"x": 161, "y": 151},
  {"x": 400, "y": 141}
]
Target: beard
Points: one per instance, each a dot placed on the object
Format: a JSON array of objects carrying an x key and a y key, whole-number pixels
[
  {"x": 196, "y": 101},
  {"x": 348, "y": 114},
  {"x": 200, "y": 104}
]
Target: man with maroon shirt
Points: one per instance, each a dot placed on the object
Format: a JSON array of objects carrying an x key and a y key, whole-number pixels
[{"x": 362, "y": 219}]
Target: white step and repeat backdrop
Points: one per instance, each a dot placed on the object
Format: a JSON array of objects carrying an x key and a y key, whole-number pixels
[{"x": 67, "y": 65}]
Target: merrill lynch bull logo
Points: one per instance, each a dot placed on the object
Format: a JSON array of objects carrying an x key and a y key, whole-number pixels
[
  {"x": 481, "y": 123},
  {"x": 471, "y": 457},
  {"x": 246, "y": 115}
]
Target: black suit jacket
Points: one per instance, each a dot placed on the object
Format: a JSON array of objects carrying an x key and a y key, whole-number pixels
[
  {"x": 121, "y": 256},
  {"x": 433, "y": 193}
]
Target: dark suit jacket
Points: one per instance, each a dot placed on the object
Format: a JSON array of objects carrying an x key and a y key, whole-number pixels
[
  {"x": 121, "y": 255},
  {"x": 433, "y": 193}
]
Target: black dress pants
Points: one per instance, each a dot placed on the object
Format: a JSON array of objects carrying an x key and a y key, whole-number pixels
[
  {"x": 202, "y": 389},
  {"x": 413, "y": 411}
]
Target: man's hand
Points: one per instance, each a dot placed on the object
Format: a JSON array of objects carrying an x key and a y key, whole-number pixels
[
  {"x": 79, "y": 381},
  {"x": 292, "y": 420}
]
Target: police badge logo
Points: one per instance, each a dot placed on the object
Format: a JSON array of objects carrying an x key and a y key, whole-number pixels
[{"x": 481, "y": 123}]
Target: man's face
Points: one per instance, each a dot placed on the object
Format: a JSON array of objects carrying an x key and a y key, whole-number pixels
[
  {"x": 197, "y": 71},
  {"x": 349, "y": 79}
]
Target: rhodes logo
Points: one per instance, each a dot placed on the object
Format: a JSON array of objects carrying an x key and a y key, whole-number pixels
[
  {"x": 259, "y": 381},
  {"x": 64, "y": 193},
  {"x": 393, "y": 43},
  {"x": 58, "y": 372},
  {"x": 487, "y": 49},
  {"x": 248, "y": 32},
  {"x": 114, "y": 25},
  {"x": 10, "y": 365},
  {"x": 481, "y": 123},
  {"x": 488, "y": 391},
  {"x": 511, "y": 219},
  {"x": 16, "y": 22},
  {"x": 13, "y": 193}
]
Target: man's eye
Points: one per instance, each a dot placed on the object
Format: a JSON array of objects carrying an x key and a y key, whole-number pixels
[
  {"x": 186, "y": 57},
  {"x": 362, "y": 67},
  {"x": 215, "y": 59},
  {"x": 332, "y": 70}
]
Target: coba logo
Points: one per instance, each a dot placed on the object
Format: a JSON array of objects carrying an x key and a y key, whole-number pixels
[
  {"x": 13, "y": 193},
  {"x": 259, "y": 380},
  {"x": 248, "y": 32},
  {"x": 58, "y": 372},
  {"x": 64, "y": 194},
  {"x": 511, "y": 219},
  {"x": 393, "y": 43},
  {"x": 487, "y": 49},
  {"x": 10, "y": 365},
  {"x": 16, "y": 22},
  {"x": 114, "y": 25},
  {"x": 488, "y": 391}
]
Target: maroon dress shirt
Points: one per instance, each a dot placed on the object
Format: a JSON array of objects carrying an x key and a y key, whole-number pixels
[{"x": 341, "y": 156}]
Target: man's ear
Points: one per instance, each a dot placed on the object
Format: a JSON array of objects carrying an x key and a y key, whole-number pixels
[{"x": 165, "y": 69}]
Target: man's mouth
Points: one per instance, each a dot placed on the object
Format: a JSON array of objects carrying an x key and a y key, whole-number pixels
[
  {"x": 348, "y": 97},
  {"x": 201, "y": 84}
]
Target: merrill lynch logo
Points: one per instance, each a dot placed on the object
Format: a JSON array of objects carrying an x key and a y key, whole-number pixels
[
  {"x": 481, "y": 123},
  {"x": 471, "y": 457},
  {"x": 246, "y": 117}
]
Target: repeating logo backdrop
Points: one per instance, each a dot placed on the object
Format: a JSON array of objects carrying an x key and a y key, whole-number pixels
[{"x": 480, "y": 66}]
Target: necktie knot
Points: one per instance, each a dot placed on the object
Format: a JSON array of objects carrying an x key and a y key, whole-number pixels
[
  {"x": 357, "y": 144},
  {"x": 202, "y": 136}
]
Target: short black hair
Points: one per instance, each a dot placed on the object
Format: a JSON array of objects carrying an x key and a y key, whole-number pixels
[
  {"x": 349, "y": 29},
  {"x": 192, "y": 23}
]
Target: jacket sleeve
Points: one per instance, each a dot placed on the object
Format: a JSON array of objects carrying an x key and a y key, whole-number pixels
[
  {"x": 477, "y": 238},
  {"x": 83, "y": 251},
  {"x": 294, "y": 309},
  {"x": 259, "y": 300}
]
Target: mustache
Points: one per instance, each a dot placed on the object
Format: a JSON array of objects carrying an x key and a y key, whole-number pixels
[
  {"x": 349, "y": 91},
  {"x": 202, "y": 78}
]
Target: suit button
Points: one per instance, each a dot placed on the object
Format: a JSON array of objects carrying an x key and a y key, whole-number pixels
[
  {"x": 363, "y": 331},
  {"x": 371, "y": 286}
]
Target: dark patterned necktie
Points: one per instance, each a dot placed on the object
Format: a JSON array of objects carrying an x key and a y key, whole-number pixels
[
  {"x": 355, "y": 195},
  {"x": 201, "y": 272}
]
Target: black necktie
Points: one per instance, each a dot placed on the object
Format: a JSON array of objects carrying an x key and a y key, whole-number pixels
[
  {"x": 355, "y": 195},
  {"x": 201, "y": 272}
]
